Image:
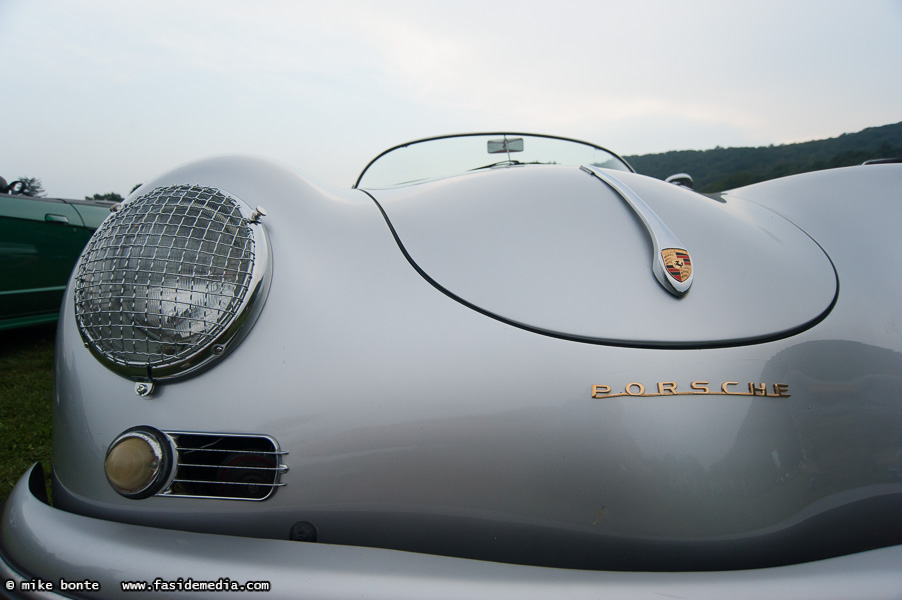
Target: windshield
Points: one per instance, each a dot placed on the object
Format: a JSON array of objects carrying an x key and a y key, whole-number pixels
[{"x": 452, "y": 155}]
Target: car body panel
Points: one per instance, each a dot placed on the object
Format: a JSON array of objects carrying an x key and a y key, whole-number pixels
[
  {"x": 371, "y": 395},
  {"x": 413, "y": 422},
  {"x": 148, "y": 555},
  {"x": 554, "y": 249},
  {"x": 40, "y": 241}
]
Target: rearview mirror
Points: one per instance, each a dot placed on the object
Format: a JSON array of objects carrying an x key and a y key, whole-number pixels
[{"x": 506, "y": 145}]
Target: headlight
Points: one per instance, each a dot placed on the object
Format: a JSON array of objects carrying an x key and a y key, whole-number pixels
[
  {"x": 139, "y": 462},
  {"x": 171, "y": 281}
]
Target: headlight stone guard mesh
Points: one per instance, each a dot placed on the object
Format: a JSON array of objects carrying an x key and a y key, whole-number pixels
[{"x": 164, "y": 278}]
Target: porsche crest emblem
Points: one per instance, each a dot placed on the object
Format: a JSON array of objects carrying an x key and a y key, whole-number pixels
[{"x": 677, "y": 263}]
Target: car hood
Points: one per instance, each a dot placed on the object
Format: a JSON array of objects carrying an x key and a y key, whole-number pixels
[{"x": 557, "y": 251}]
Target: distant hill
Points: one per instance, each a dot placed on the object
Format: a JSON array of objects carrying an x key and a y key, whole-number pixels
[{"x": 726, "y": 168}]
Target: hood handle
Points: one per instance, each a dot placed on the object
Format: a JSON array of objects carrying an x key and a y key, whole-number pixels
[{"x": 671, "y": 263}]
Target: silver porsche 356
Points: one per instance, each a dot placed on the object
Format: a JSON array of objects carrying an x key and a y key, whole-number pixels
[{"x": 502, "y": 365}]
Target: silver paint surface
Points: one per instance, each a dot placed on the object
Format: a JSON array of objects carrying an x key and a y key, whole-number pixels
[
  {"x": 323, "y": 571},
  {"x": 413, "y": 422},
  {"x": 553, "y": 249}
]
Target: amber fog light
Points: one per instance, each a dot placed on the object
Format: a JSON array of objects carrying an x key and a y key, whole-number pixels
[{"x": 139, "y": 462}]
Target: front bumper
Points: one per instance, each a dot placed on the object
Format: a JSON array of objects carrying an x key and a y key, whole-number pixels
[{"x": 41, "y": 545}]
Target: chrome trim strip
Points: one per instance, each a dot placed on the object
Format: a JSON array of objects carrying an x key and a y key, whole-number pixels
[
  {"x": 269, "y": 485},
  {"x": 281, "y": 468},
  {"x": 277, "y": 470},
  {"x": 661, "y": 235}
]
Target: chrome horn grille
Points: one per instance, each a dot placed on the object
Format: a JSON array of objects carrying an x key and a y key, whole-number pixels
[{"x": 225, "y": 466}]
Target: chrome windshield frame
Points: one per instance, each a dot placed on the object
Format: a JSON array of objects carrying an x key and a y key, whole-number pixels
[{"x": 488, "y": 133}]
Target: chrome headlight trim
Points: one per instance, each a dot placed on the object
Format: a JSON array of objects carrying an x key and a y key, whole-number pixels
[
  {"x": 172, "y": 281},
  {"x": 161, "y": 447}
]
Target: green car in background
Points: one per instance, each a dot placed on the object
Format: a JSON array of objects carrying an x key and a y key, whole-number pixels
[{"x": 40, "y": 241}]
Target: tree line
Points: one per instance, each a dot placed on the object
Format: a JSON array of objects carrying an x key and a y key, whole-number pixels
[{"x": 721, "y": 169}]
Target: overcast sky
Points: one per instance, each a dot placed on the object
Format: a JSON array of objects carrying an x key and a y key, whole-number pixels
[{"x": 99, "y": 95}]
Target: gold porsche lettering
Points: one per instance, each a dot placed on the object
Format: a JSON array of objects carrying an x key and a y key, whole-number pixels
[
  {"x": 638, "y": 387},
  {"x": 696, "y": 388},
  {"x": 723, "y": 386},
  {"x": 666, "y": 387},
  {"x": 600, "y": 390},
  {"x": 758, "y": 390}
]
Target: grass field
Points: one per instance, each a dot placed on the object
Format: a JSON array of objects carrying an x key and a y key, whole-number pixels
[{"x": 26, "y": 399}]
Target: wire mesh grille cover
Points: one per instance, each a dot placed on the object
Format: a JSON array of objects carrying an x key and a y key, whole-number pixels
[{"x": 164, "y": 276}]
